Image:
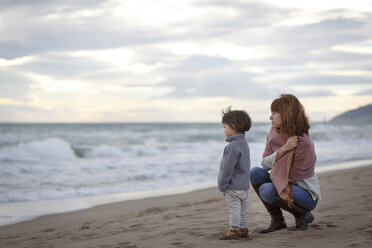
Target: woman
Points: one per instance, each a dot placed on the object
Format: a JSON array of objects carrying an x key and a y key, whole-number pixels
[{"x": 292, "y": 184}]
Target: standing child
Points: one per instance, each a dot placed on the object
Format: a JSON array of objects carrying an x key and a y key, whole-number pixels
[{"x": 233, "y": 178}]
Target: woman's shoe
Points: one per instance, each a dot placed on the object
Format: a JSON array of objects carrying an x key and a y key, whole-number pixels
[
  {"x": 276, "y": 223},
  {"x": 302, "y": 216},
  {"x": 277, "y": 219},
  {"x": 302, "y": 222}
]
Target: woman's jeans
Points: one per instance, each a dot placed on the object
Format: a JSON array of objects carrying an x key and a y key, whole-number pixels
[
  {"x": 269, "y": 194},
  {"x": 239, "y": 203}
]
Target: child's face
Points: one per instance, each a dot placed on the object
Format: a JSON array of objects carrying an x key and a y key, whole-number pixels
[{"x": 228, "y": 130}]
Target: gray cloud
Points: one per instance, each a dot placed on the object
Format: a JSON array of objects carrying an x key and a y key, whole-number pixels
[
  {"x": 367, "y": 92},
  {"x": 47, "y": 5},
  {"x": 250, "y": 15},
  {"x": 64, "y": 34},
  {"x": 200, "y": 63},
  {"x": 197, "y": 75},
  {"x": 64, "y": 66},
  {"x": 233, "y": 84},
  {"x": 314, "y": 93},
  {"x": 14, "y": 113},
  {"x": 313, "y": 43},
  {"x": 97, "y": 33},
  {"x": 330, "y": 80},
  {"x": 83, "y": 38},
  {"x": 14, "y": 86}
]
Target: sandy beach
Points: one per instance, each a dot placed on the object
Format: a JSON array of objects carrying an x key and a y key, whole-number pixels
[{"x": 342, "y": 219}]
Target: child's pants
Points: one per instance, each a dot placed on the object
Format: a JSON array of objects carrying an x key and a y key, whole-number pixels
[{"x": 239, "y": 203}]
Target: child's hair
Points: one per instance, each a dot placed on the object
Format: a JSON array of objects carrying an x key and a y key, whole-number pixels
[{"x": 238, "y": 120}]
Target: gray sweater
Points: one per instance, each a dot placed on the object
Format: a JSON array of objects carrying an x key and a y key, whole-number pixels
[{"x": 235, "y": 165}]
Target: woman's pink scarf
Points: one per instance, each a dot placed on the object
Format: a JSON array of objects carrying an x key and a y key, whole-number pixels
[{"x": 295, "y": 165}]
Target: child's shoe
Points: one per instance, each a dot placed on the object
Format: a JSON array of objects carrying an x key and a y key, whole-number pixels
[
  {"x": 232, "y": 234},
  {"x": 243, "y": 233}
]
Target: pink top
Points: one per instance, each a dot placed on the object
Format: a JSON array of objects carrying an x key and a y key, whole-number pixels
[{"x": 300, "y": 167}]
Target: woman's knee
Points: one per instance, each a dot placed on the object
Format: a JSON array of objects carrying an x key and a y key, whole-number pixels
[
  {"x": 303, "y": 198},
  {"x": 268, "y": 192},
  {"x": 259, "y": 175}
]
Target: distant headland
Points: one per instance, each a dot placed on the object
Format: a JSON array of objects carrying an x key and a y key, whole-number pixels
[{"x": 362, "y": 115}]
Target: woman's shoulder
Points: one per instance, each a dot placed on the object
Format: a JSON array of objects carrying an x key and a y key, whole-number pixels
[{"x": 305, "y": 139}]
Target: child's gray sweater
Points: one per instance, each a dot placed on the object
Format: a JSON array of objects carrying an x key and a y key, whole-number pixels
[{"x": 235, "y": 165}]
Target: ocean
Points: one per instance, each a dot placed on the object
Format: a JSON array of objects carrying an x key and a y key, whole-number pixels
[{"x": 50, "y": 168}]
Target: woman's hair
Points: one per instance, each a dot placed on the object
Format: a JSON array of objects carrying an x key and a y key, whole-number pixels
[
  {"x": 238, "y": 120},
  {"x": 292, "y": 113}
]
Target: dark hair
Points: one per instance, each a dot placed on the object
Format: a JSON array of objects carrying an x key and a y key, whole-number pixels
[
  {"x": 292, "y": 113},
  {"x": 238, "y": 120}
]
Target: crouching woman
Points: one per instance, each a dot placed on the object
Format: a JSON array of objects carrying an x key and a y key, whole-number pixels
[{"x": 289, "y": 155}]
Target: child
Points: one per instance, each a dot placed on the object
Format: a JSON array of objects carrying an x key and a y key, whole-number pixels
[{"x": 233, "y": 178}]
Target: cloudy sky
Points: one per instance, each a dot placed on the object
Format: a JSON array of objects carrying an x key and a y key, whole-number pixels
[{"x": 181, "y": 61}]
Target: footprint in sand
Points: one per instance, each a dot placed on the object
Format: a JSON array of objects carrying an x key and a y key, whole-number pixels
[
  {"x": 331, "y": 225},
  {"x": 316, "y": 227},
  {"x": 182, "y": 244},
  {"x": 354, "y": 245},
  {"x": 126, "y": 245},
  {"x": 120, "y": 245},
  {"x": 85, "y": 226},
  {"x": 150, "y": 211},
  {"x": 12, "y": 237},
  {"x": 136, "y": 226},
  {"x": 327, "y": 224}
]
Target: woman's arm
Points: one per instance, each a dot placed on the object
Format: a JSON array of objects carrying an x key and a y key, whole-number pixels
[
  {"x": 268, "y": 161},
  {"x": 291, "y": 144}
]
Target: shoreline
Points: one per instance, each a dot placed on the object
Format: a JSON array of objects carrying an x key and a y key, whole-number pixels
[
  {"x": 14, "y": 212},
  {"x": 198, "y": 218}
]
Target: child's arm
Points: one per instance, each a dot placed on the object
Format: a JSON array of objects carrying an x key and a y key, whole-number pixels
[{"x": 229, "y": 160}]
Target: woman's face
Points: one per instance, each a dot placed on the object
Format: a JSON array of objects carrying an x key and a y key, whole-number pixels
[{"x": 276, "y": 120}]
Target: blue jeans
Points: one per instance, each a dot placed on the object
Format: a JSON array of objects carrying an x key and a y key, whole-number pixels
[{"x": 268, "y": 193}]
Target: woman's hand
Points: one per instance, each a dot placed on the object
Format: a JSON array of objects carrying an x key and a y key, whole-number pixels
[{"x": 291, "y": 144}]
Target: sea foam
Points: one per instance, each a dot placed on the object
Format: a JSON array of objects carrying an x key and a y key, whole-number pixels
[{"x": 48, "y": 149}]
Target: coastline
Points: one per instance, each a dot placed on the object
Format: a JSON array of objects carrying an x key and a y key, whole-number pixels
[
  {"x": 13, "y": 213},
  {"x": 197, "y": 218}
]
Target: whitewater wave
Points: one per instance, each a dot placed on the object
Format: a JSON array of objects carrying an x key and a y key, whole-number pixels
[
  {"x": 104, "y": 151},
  {"x": 48, "y": 149},
  {"x": 59, "y": 149}
]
